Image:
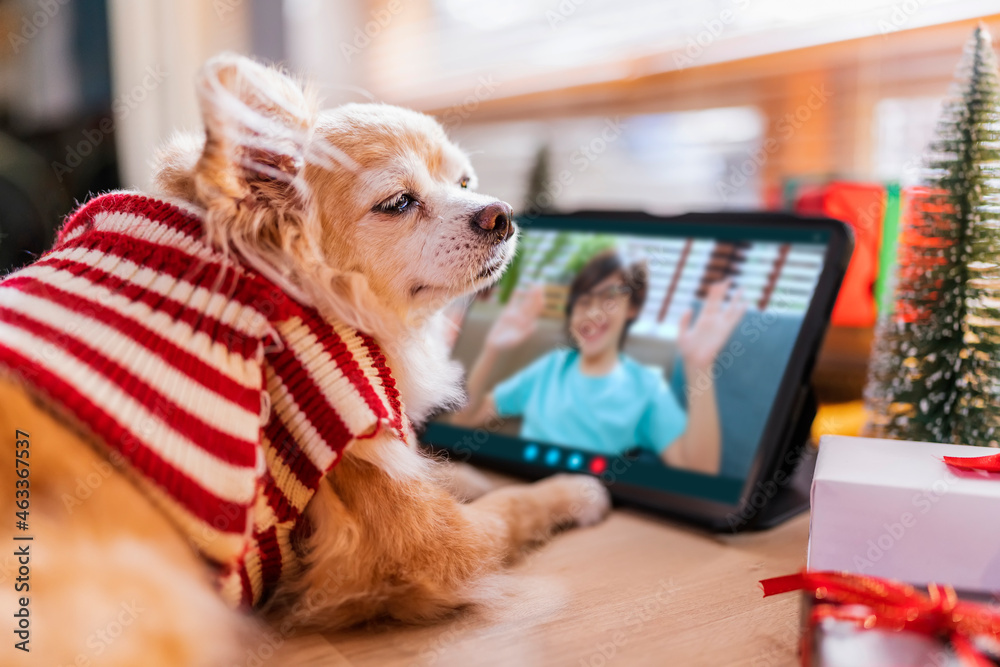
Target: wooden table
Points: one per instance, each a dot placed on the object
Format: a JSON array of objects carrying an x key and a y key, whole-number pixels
[{"x": 635, "y": 590}]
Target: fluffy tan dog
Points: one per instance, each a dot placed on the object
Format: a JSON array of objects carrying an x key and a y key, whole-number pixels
[{"x": 366, "y": 213}]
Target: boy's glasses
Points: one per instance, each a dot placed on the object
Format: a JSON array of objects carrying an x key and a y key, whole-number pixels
[{"x": 606, "y": 297}]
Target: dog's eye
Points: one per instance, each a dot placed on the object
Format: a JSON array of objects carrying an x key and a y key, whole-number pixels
[
  {"x": 399, "y": 204},
  {"x": 464, "y": 183}
]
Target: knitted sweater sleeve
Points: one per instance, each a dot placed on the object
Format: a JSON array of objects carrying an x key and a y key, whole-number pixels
[{"x": 328, "y": 386}]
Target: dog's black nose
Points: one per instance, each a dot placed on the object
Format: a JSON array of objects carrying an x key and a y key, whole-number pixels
[{"x": 495, "y": 220}]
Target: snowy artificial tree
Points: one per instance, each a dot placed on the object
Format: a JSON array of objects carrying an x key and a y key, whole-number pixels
[{"x": 935, "y": 368}]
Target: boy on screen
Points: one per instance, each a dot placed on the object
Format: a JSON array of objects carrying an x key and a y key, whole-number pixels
[{"x": 593, "y": 395}]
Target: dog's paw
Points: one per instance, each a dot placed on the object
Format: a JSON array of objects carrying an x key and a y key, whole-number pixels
[
  {"x": 464, "y": 482},
  {"x": 588, "y": 500},
  {"x": 476, "y": 484}
]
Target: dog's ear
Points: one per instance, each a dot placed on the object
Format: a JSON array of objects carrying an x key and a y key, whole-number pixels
[
  {"x": 250, "y": 178},
  {"x": 258, "y": 122},
  {"x": 250, "y": 175}
]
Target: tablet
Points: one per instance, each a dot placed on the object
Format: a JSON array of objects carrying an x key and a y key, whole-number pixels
[{"x": 668, "y": 356}]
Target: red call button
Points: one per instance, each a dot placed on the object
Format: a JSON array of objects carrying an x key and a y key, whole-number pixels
[{"x": 598, "y": 464}]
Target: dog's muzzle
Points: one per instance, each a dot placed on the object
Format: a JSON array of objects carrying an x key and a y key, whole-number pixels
[{"x": 495, "y": 221}]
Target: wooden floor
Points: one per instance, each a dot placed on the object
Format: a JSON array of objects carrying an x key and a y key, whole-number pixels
[{"x": 635, "y": 590}]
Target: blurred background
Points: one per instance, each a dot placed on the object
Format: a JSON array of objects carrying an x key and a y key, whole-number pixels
[{"x": 662, "y": 105}]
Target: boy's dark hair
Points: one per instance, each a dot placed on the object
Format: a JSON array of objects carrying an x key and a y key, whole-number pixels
[{"x": 600, "y": 266}]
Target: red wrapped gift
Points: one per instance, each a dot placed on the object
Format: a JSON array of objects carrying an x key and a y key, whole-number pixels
[{"x": 925, "y": 620}]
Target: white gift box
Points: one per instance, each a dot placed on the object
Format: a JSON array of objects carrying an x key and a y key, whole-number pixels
[
  {"x": 894, "y": 509},
  {"x": 842, "y": 644}
]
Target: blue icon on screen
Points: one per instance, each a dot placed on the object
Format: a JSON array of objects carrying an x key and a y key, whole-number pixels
[
  {"x": 575, "y": 461},
  {"x": 552, "y": 456},
  {"x": 531, "y": 452}
]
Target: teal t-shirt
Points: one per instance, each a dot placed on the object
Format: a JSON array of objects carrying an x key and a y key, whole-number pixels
[{"x": 630, "y": 406}]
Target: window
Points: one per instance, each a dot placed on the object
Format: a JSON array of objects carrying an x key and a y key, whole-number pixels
[
  {"x": 902, "y": 128},
  {"x": 663, "y": 163}
]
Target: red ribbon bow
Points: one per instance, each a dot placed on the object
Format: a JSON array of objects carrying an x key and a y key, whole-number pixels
[
  {"x": 891, "y": 605},
  {"x": 984, "y": 463}
]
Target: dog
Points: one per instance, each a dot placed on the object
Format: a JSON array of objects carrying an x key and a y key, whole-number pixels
[{"x": 361, "y": 222}]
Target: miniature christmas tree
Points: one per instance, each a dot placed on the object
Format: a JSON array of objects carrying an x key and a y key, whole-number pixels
[
  {"x": 538, "y": 198},
  {"x": 935, "y": 370}
]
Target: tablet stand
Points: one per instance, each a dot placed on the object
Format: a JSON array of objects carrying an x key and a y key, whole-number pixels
[{"x": 793, "y": 498}]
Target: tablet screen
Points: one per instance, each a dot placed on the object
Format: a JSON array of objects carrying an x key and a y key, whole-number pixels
[{"x": 646, "y": 354}]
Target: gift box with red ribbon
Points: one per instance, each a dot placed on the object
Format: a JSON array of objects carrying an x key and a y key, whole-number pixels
[
  {"x": 911, "y": 511},
  {"x": 895, "y": 529},
  {"x": 857, "y": 621}
]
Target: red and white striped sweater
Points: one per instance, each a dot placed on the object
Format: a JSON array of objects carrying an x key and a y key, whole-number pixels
[{"x": 229, "y": 399}]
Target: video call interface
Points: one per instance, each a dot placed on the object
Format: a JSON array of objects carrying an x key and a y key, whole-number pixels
[{"x": 648, "y": 359}]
